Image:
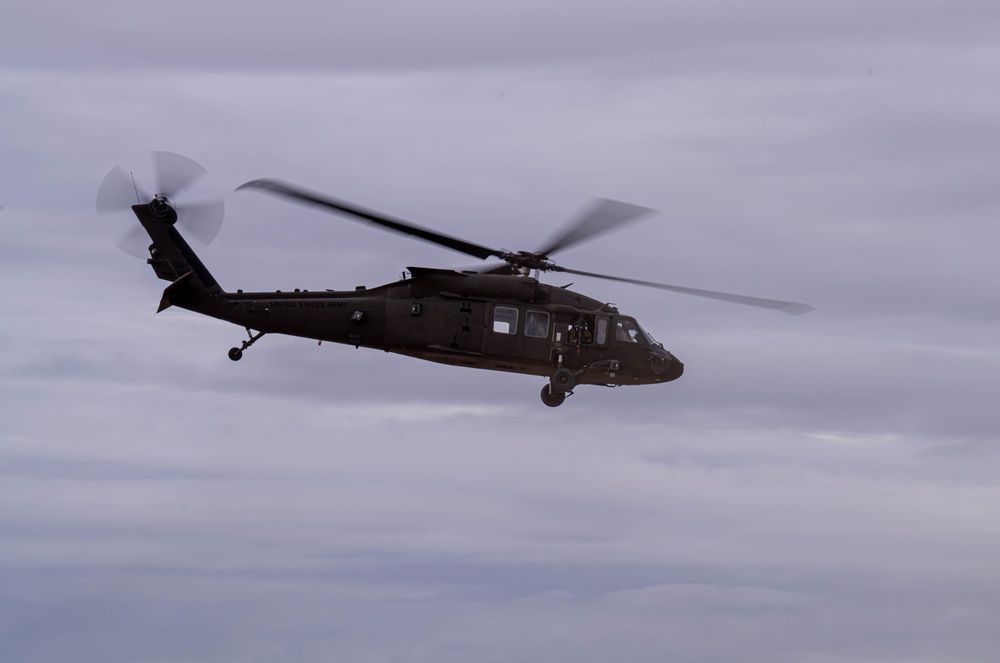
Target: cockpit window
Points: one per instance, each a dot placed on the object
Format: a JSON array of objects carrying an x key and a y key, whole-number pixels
[{"x": 627, "y": 331}]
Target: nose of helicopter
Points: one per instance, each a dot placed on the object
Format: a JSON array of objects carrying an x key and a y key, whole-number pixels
[{"x": 666, "y": 367}]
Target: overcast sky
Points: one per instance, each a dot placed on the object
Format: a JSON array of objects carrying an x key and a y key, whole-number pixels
[{"x": 819, "y": 489}]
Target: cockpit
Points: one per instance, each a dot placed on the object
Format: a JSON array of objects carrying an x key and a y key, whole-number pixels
[{"x": 628, "y": 330}]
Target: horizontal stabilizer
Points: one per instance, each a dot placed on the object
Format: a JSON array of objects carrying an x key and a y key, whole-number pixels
[{"x": 173, "y": 290}]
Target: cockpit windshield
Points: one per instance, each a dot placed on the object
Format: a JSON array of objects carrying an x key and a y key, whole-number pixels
[
  {"x": 629, "y": 331},
  {"x": 649, "y": 337}
]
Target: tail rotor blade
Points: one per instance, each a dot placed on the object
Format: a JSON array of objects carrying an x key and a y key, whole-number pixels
[
  {"x": 134, "y": 242},
  {"x": 119, "y": 192},
  {"x": 175, "y": 172},
  {"x": 203, "y": 221}
]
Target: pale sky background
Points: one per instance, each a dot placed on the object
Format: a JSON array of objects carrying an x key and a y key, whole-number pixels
[{"x": 820, "y": 489}]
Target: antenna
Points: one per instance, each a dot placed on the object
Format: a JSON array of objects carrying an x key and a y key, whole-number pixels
[{"x": 134, "y": 186}]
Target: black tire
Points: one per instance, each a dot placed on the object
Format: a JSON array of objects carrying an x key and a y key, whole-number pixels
[
  {"x": 563, "y": 380},
  {"x": 551, "y": 397},
  {"x": 235, "y": 354}
]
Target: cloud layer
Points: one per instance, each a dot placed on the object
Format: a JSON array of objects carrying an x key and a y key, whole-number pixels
[{"x": 815, "y": 489}]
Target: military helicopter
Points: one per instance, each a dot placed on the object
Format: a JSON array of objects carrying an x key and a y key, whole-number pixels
[{"x": 500, "y": 317}]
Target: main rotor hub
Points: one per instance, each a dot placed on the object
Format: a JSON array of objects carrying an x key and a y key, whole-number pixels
[{"x": 527, "y": 260}]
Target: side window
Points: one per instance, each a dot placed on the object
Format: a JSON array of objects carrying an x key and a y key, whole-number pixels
[
  {"x": 505, "y": 320},
  {"x": 602, "y": 331},
  {"x": 536, "y": 324}
]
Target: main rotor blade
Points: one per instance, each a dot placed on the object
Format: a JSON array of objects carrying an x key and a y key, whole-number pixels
[
  {"x": 501, "y": 268},
  {"x": 603, "y": 216},
  {"x": 319, "y": 200},
  {"x": 175, "y": 172},
  {"x": 791, "y": 308}
]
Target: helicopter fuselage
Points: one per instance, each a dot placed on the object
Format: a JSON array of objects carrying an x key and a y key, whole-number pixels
[{"x": 498, "y": 322}]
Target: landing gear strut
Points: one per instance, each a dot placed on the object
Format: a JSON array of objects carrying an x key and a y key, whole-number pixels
[{"x": 237, "y": 353}]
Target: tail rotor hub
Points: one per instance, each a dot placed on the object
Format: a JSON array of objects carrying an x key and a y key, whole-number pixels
[{"x": 160, "y": 207}]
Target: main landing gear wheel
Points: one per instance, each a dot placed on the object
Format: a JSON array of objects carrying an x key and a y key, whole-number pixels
[
  {"x": 235, "y": 354},
  {"x": 563, "y": 380},
  {"x": 551, "y": 397}
]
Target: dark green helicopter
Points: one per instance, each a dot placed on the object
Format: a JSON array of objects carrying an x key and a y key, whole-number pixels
[{"x": 499, "y": 318}]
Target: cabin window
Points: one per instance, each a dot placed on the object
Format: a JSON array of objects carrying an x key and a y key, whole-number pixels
[
  {"x": 536, "y": 324},
  {"x": 505, "y": 320},
  {"x": 602, "y": 331}
]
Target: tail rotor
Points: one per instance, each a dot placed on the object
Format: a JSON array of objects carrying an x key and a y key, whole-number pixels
[{"x": 172, "y": 175}]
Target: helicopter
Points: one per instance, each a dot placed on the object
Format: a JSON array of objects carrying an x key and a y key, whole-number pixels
[{"x": 500, "y": 317}]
